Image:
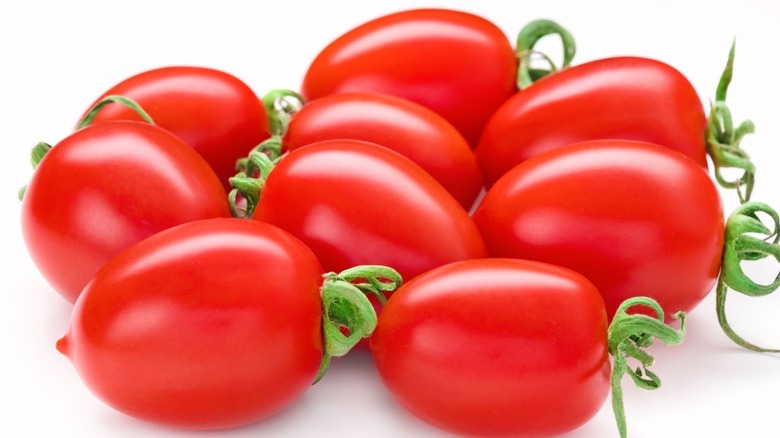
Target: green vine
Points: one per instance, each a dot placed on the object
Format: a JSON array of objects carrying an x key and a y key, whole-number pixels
[
  {"x": 527, "y": 39},
  {"x": 280, "y": 105},
  {"x": 723, "y": 139},
  {"x": 743, "y": 244},
  {"x": 628, "y": 337},
  {"x": 346, "y": 306},
  {"x": 126, "y": 101}
]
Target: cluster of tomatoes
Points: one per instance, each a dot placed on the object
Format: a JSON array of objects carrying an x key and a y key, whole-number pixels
[{"x": 497, "y": 230}]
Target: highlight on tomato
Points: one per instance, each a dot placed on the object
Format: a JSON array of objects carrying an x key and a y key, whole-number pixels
[
  {"x": 458, "y": 64},
  {"x": 509, "y": 347},
  {"x": 212, "y": 111},
  {"x": 215, "y": 324},
  {"x": 398, "y": 124},
  {"x": 635, "y": 218},
  {"x": 106, "y": 187}
]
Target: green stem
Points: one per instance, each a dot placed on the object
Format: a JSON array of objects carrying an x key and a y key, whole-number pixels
[
  {"x": 628, "y": 336},
  {"x": 346, "y": 306},
  {"x": 527, "y": 39},
  {"x": 723, "y": 139},
  {"x": 36, "y": 155},
  {"x": 742, "y": 243},
  {"x": 95, "y": 110},
  {"x": 375, "y": 280},
  {"x": 248, "y": 183},
  {"x": 280, "y": 105}
]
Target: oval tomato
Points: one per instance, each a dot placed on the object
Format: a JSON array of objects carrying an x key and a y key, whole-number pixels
[
  {"x": 455, "y": 63},
  {"x": 496, "y": 347},
  {"x": 214, "y": 112},
  {"x": 106, "y": 187},
  {"x": 401, "y": 125},
  {"x": 637, "y": 219},
  {"x": 357, "y": 203},
  {"x": 616, "y": 98},
  {"x": 212, "y": 324}
]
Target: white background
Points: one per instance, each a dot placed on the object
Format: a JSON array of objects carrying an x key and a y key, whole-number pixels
[{"x": 57, "y": 57}]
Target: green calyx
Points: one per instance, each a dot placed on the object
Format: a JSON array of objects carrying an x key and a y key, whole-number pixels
[
  {"x": 723, "y": 139},
  {"x": 746, "y": 239},
  {"x": 126, "y": 101},
  {"x": 346, "y": 308},
  {"x": 628, "y": 337},
  {"x": 527, "y": 39}
]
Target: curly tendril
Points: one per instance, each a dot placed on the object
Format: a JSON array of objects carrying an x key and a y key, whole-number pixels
[
  {"x": 346, "y": 306},
  {"x": 376, "y": 280},
  {"x": 723, "y": 138},
  {"x": 253, "y": 170},
  {"x": 628, "y": 337},
  {"x": 248, "y": 183},
  {"x": 527, "y": 39},
  {"x": 742, "y": 244},
  {"x": 280, "y": 105},
  {"x": 126, "y": 101}
]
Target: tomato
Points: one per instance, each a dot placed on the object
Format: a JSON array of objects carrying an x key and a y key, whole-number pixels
[
  {"x": 106, "y": 187},
  {"x": 455, "y": 63},
  {"x": 496, "y": 347},
  {"x": 356, "y": 203},
  {"x": 635, "y": 218},
  {"x": 212, "y": 324},
  {"x": 214, "y": 112},
  {"x": 403, "y": 126},
  {"x": 616, "y": 98}
]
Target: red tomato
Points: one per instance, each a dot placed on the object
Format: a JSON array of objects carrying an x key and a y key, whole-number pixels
[
  {"x": 635, "y": 218},
  {"x": 618, "y": 98},
  {"x": 356, "y": 203},
  {"x": 214, "y": 112},
  {"x": 403, "y": 126},
  {"x": 496, "y": 347},
  {"x": 106, "y": 187},
  {"x": 455, "y": 63},
  {"x": 212, "y": 324}
]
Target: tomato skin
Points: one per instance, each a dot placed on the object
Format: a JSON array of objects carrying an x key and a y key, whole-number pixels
[
  {"x": 615, "y": 98},
  {"x": 106, "y": 187},
  {"x": 214, "y": 112},
  {"x": 398, "y": 124},
  {"x": 164, "y": 335},
  {"x": 455, "y": 63},
  {"x": 635, "y": 218},
  {"x": 496, "y": 347},
  {"x": 357, "y": 203}
]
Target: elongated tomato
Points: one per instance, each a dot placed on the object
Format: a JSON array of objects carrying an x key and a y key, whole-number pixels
[
  {"x": 398, "y": 124},
  {"x": 496, "y": 347},
  {"x": 637, "y": 219},
  {"x": 615, "y": 98},
  {"x": 356, "y": 203},
  {"x": 460, "y": 65},
  {"x": 214, "y": 112}
]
